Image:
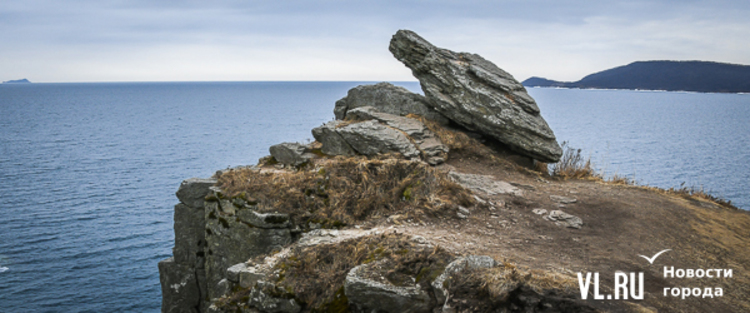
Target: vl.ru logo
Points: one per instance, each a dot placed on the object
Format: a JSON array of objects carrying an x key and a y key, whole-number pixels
[
  {"x": 626, "y": 285},
  {"x": 623, "y": 284}
]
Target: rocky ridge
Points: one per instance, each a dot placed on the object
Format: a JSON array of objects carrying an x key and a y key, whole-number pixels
[{"x": 384, "y": 212}]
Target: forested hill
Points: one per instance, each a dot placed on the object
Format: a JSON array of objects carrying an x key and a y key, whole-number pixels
[{"x": 698, "y": 76}]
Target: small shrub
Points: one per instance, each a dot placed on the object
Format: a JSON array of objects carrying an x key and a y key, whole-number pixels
[{"x": 573, "y": 165}]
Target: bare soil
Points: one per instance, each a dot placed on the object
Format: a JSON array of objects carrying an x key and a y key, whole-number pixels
[{"x": 621, "y": 222}]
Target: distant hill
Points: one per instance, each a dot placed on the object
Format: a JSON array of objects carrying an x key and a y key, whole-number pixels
[
  {"x": 698, "y": 76},
  {"x": 19, "y": 81}
]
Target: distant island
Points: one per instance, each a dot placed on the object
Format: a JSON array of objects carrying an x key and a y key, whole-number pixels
[
  {"x": 700, "y": 76},
  {"x": 18, "y": 81}
]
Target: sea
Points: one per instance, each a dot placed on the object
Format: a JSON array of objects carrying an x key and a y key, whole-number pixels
[{"x": 88, "y": 171}]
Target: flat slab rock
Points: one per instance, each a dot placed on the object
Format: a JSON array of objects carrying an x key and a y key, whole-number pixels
[
  {"x": 485, "y": 183},
  {"x": 564, "y": 219},
  {"x": 371, "y": 137},
  {"x": 476, "y": 94}
]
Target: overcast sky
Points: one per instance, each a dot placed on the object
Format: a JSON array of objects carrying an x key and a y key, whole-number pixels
[{"x": 149, "y": 40}]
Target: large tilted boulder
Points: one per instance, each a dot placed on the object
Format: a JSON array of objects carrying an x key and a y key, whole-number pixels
[
  {"x": 386, "y": 98},
  {"x": 478, "y": 95}
]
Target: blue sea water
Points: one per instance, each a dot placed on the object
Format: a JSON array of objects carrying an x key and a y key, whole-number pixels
[{"x": 88, "y": 171}]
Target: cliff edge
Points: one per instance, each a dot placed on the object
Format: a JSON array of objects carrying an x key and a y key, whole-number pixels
[{"x": 410, "y": 203}]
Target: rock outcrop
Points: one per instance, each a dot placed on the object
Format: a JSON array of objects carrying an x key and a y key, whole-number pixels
[
  {"x": 386, "y": 98},
  {"x": 370, "y": 132},
  {"x": 433, "y": 151},
  {"x": 384, "y": 234},
  {"x": 291, "y": 153},
  {"x": 183, "y": 277},
  {"x": 210, "y": 236},
  {"x": 478, "y": 95},
  {"x": 368, "y": 291}
]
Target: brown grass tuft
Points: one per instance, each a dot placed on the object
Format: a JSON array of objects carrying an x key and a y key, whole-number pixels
[
  {"x": 346, "y": 190},
  {"x": 573, "y": 165},
  {"x": 701, "y": 194},
  {"x": 499, "y": 282}
]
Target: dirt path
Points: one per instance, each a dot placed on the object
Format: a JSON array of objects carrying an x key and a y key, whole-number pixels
[{"x": 620, "y": 222}]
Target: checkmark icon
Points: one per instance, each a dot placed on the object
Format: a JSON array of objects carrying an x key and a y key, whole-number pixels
[{"x": 653, "y": 258}]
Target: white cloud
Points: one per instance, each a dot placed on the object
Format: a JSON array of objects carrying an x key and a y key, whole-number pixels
[{"x": 348, "y": 40}]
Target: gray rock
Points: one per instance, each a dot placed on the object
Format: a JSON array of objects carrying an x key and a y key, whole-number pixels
[
  {"x": 179, "y": 288},
  {"x": 264, "y": 220},
  {"x": 192, "y": 191},
  {"x": 368, "y": 291},
  {"x": 252, "y": 275},
  {"x": 478, "y": 95},
  {"x": 233, "y": 272},
  {"x": 265, "y": 297},
  {"x": 433, "y": 151},
  {"x": 291, "y": 153},
  {"x": 333, "y": 143},
  {"x": 246, "y": 276},
  {"x": 564, "y": 219},
  {"x": 413, "y": 128},
  {"x": 371, "y": 137},
  {"x": 189, "y": 238},
  {"x": 539, "y": 211},
  {"x": 223, "y": 288},
  {"x": 484, "y": 183},
  {"x": 442, "y": 282},
  {"x": 230, "y": 241},
  {"x": 386, "y": 98},
  {"x": 563, "y": 200}
]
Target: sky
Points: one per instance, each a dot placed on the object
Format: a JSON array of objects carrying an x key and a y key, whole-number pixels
[{"x": 304, "y": 40}]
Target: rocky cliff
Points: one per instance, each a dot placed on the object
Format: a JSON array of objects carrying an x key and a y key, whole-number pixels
[{"x": 440, "y": 203}]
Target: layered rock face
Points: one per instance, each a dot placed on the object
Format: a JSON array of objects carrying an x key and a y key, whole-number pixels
[
  {"x": 374, "y": 132},
  {"x": 478, "y": 95},
  {"x": 211, "y": 235}
]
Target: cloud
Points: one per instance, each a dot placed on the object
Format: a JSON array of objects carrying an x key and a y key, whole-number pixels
[{"x": 342, "y": 40}]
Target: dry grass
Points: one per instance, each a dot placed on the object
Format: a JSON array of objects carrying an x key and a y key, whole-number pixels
[
  {"x": 509, "y": 287},
  {"x": 573, "y": 165},
  {"x": 315, "y": 275},
  {"x": 701, "y": 194},
  {"x": 346, "y": 190},
  {"x": 499, "y": 282},
  {"x": 459, "y": 142}
]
